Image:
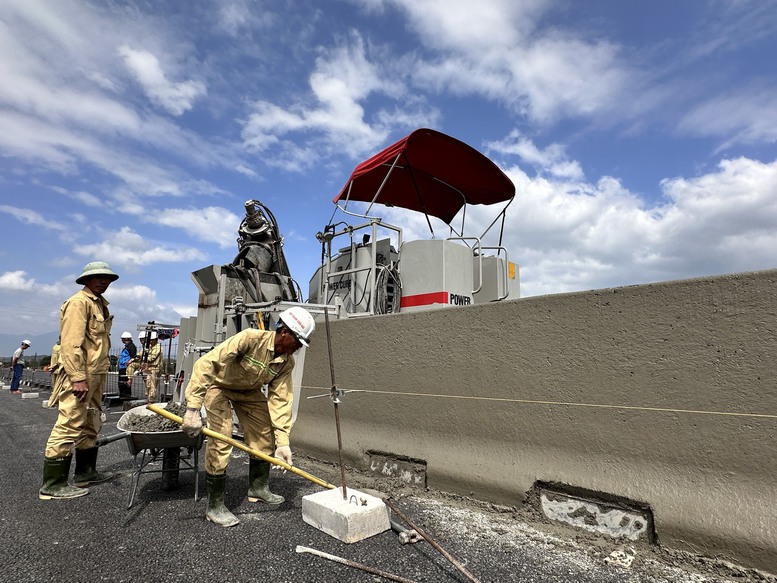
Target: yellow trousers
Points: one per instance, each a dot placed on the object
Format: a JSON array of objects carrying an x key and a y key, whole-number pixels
[
  {"x": 152, "y": 379},
  {"x": 253, "y": 414},
  {"x": 78, "y": 422}
]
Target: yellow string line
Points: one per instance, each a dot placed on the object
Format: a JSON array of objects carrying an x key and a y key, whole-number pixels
[{"x": 534, "y": 402}]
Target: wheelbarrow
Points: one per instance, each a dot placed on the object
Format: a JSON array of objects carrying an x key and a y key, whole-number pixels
[{"x": 146, "y": 446}]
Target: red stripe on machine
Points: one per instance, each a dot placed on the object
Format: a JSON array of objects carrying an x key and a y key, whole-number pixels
[{"x": 424, "y": 299}]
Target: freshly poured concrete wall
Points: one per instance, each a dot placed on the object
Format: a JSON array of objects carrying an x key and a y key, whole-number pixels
[{"x": 665, "y": 394}]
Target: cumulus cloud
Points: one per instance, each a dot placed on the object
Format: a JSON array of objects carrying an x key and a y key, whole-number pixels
[
  {"x": 552, "y": 159},
  {"x": 214, "y": 224},
  {"x": 342, "y": 80},
  {"x": 16, "y": 281},
  {"x": 176, "y": 98},
  {"x": 129, "y": 249}
]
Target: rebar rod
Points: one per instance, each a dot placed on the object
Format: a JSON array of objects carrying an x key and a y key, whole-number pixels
[
  {"x": 432, "y": 542},
  {"x": 354, "y": 564},
  {"x": 335, "y": 401}
]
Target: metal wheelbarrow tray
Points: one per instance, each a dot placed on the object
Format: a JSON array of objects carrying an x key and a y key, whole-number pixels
[{"x": 149, "y": 443}]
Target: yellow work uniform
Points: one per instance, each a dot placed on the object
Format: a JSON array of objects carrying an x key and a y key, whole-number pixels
[
  {"x": 85, "y": 329},
  {"x": 57, "y": 376},
  {"x": 232, "y": 376},
  {"x": 151, "y": 368}
]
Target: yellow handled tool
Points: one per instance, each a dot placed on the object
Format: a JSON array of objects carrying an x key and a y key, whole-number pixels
[{"x": 240, "y": 445}]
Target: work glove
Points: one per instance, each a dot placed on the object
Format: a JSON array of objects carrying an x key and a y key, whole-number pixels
[
  {"x": 192, "y": 422},
  {"x": 283, "y": 452}
]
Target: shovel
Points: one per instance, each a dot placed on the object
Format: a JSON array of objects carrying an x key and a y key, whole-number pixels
[{"x": 240, "y": 445}]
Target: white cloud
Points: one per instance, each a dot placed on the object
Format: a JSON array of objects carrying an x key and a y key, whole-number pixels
[
  {"x": 16, "y": 281},
  {"x": 493, "y": 49},
  {"x": 31, "y": 217},
  {"x": 176, "y": 98},
  {"x": 213, "y": 224},
  {"x": 741, "y": 116},
  {"x": 343, "y": 79},
  {"x": 552, "y": 159},
  {"x": 129, "y": 249}
]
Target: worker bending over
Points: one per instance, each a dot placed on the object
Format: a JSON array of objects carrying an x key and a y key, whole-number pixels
[{"x": 250, "y": 373}]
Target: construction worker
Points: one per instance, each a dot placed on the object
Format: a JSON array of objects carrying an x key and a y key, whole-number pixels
[
  {"x": 250, "y": 373},
  {"x": 55, "y": 368},
  {"x": 17, "y": 363},
  {"x": 136, "y": 362},
  {"x": 85, "y": 341},
  {"x": 127, "y": 354},
  {"x": 152, "y": 366}
]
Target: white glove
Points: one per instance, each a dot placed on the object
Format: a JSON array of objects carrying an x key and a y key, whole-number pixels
[
  {"x": 283, "y": 452},
  {"x": 192, "y": 422}
]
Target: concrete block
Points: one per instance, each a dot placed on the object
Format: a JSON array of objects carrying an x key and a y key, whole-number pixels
[
  {"x": 352, "y": 520},
  {"x": 4, "y": 387},
  {"x": 29, "y": 395}
]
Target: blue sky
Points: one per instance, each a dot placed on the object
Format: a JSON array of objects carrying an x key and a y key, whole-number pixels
[{"x": 640, "y": 135}]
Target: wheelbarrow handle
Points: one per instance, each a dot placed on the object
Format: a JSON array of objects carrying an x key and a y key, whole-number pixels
[
  {"x": 106, "y": 439},
  {"x": 240, "y": 445}
]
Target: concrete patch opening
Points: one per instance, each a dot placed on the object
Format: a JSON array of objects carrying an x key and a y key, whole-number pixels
[
  {"x": 596, "y": 512},
  {"x": 408, "y": 470}
]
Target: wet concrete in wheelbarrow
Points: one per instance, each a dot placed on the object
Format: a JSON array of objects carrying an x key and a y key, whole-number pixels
[
  {"x": 165, "y": 538},
  {"x": 133, "y": 421}
]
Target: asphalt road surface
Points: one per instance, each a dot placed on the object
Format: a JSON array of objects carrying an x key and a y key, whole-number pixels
[{"x": 164, "y": 536}]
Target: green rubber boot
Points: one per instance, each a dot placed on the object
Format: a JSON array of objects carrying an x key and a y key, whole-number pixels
[
  {"x": 217, "y": 513},
  {"x": 55, "y": 486},
  {"x": 259, "y": 478},
  {"x": 86, "y": 468}
]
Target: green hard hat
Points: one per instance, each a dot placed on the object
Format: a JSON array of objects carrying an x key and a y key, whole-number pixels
[{"x": 96, "y": 268}]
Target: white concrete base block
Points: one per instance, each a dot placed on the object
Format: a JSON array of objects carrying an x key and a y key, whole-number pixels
[
  {"x": 352, "y": 520},
  {"x": 29, "y": 395}
]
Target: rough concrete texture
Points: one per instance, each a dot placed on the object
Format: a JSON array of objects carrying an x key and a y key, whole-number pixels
[
  {"x": 141, "y": 420},
  {"x": 350, "y": 520},
  {"x": 659, "y": 393}
]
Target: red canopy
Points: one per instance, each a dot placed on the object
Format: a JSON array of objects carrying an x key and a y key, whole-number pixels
[{"x": 434, "y": 174}]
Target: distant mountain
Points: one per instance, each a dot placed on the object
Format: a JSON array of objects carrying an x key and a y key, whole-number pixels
[{"x": 41, "y": 343}]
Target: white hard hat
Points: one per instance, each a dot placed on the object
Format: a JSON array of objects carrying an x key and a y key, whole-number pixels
[
  {"x": 153, "y": 335},
  {"x": 142, "y": 334},
  {"x": 126, "y": 335},
  {"x": 27, "y": 342},
  {"x": 300, "y": 322}
]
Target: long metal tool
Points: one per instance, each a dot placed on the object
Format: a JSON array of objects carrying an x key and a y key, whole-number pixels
[
  {"x": 240, "y": 445},
  {"x": 354, "y": 564},
  {"x": 336, "y": 400},
  {"x": 432, "y": 542}
]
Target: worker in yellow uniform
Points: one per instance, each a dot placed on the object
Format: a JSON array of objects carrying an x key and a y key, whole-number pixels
[
  {"x": 152, "y": 366},
  {"x": 136, "y": 362},
  {"x": 55, "y": 368},
  {"x": 85, "y": 341},
  {"x": 250, "y": 373}
]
